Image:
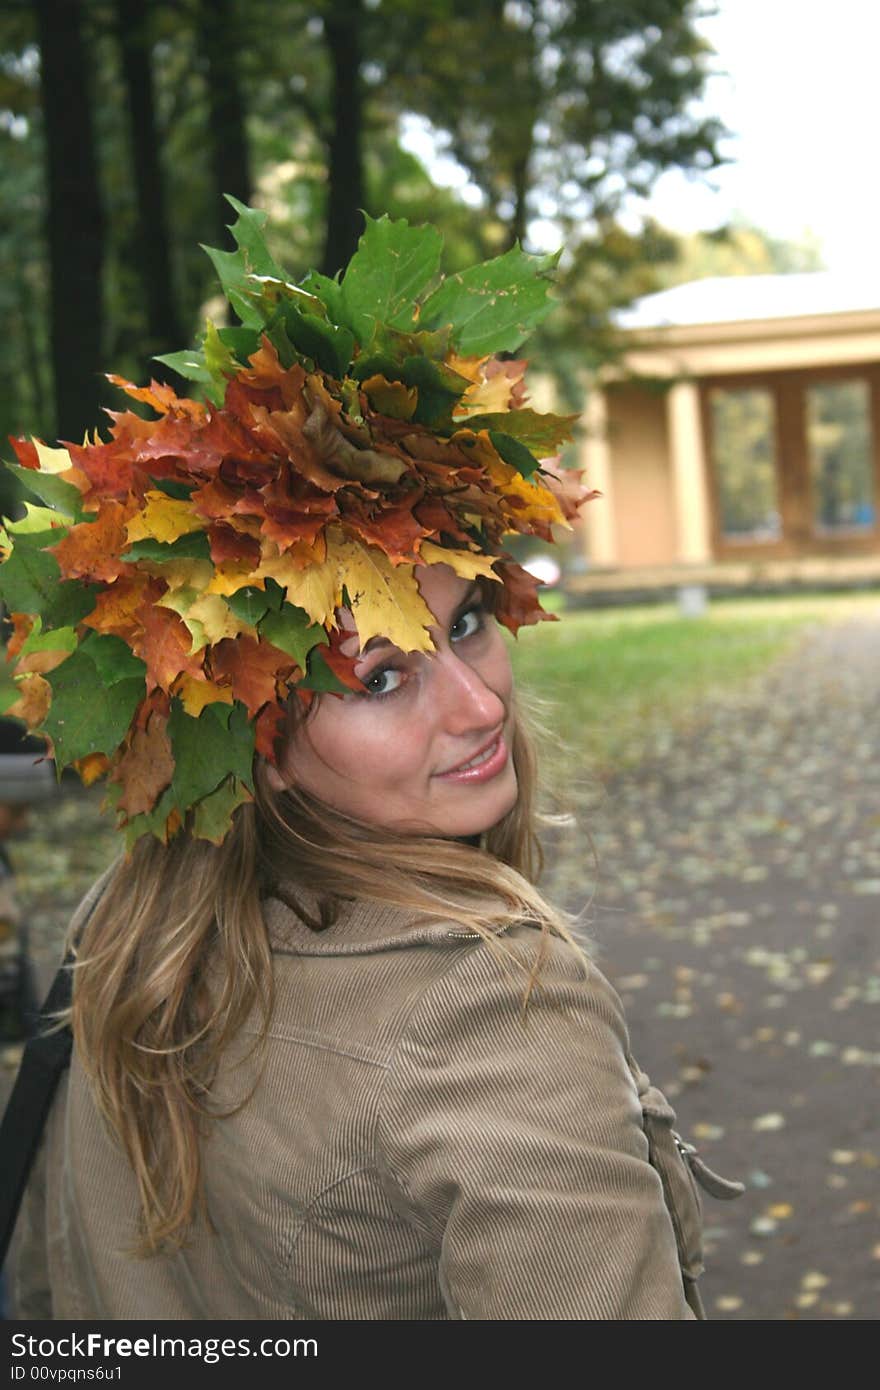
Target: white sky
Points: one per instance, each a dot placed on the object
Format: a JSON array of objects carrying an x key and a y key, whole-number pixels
[
  {"x": 798, "y": 84},
  {"x": 801, "y": 96}
]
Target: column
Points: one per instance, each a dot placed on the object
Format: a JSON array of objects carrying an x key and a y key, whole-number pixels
[
  {"x": 600, "y": 532},
  {"x": 687, "y": 458}
]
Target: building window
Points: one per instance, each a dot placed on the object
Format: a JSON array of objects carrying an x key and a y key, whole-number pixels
[
  {"x": 744, "y": 460},
  {"x": 840, "y": 451}
]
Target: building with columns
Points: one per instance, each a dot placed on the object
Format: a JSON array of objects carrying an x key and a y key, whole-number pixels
[{"x": 737, "y": 441}]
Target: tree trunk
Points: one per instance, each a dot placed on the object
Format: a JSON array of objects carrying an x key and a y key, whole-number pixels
[
  {"x": 219, "y": 42},
  {"x": 153, "y": 250},
  {"x": 345, "y": 177},
  {"x": 519, "y": 225},
  {"x": 75, "y": 219}
]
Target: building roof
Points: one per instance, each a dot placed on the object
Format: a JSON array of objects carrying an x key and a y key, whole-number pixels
[{"x": 736, "y": 298}]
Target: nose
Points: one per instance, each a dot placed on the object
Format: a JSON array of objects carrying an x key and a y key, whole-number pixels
[{"x": 464, "y": 700}]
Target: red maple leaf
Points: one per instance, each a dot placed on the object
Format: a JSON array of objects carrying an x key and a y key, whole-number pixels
[
  {"x": 270, "y": 729},
  {"x": 227, "y": 544},
  {"x": 516, "y": 604},
  {"x": 164, "y": 644},
  {"x": 253, "y": 669}
]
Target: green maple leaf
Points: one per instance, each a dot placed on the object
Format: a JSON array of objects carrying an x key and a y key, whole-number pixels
[
  {"x": 320, "y": 678},
  {"x": 251, "y": 604},
  {"x": 61, "y": 496},
  {"x": 292, "y": 631},
  {"x": 30, "y": 576},
  {"x": 329, "y": 292},
  {"x": 56, "y": 640},
  {"x": 188, "y": 363},
  {"x": 151, "y": 822},
  {"x": 542, "y": 434},
  {"x": 492, "y": 307},
  {"x": 206, "y": 750},
  {"x": 30, "y": 582},
  {"x": 393, "y": 264},
  {"x": 235, "y": 268},
  {"x": 85, "y": 715},
  {"x": 513, "y": 452},
  {"x": 193, "y": 546},
  {"x": 329, "y": 346},
  {"x": 113, "y": 659},
  {"x": 213, "y": 814}
]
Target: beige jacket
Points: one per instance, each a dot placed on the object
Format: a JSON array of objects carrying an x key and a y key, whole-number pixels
[{"x": 412, "y": 1151}]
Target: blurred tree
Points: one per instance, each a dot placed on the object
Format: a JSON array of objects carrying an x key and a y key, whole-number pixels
[
  {"x": 738, "y": 248},
  {"x": 343, "y": 32},
  {"x": 75, "y": 217},
  {"x": 26, "y": 395},
  {"x": 223, "y": 29},
  {"x": 134, "y": 29},
  {"x": 578, "y": 102},
  {"x": 553, "y": 108}
]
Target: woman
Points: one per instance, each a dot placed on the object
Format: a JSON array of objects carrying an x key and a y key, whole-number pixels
[{"x": 335, "y": 1056}]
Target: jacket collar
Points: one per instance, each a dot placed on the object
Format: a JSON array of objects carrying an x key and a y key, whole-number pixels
[{"x": 360, "y": 927}]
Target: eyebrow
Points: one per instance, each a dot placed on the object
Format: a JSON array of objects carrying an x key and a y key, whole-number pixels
[{"x": 473, "y": 592}]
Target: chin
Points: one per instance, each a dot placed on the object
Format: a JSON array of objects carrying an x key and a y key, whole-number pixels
[{"x": 487, "y": 809}]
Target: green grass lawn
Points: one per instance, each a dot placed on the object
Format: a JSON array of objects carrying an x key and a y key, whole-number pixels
[{"x": 614, "y": 675}]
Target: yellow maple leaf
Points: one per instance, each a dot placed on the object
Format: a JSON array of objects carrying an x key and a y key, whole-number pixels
[
  {"x": 206, "y": 616},
  {"x": 52, "y": 460},
  {"x": 317, "y": 588},
  {"x": 471, "y": 368},
  {"x": 230, "y": 577},
  {"x": 385, "y": 598},
  {"x": 164, "y": 519},
  {"x": 195, "y": 694},
  {"x": 540, "y": 504},
  {"x": 468, "y": 564},
  {"x": 181, "y": 574}
]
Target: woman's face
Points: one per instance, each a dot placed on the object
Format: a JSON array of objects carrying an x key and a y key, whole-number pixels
[{"x": 427, "y": 748}]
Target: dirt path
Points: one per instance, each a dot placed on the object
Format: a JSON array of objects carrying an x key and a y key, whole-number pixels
[{"x": 738, "y": 913}]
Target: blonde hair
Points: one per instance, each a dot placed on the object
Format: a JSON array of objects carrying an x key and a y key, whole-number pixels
[{"x": 175, "y": 957}]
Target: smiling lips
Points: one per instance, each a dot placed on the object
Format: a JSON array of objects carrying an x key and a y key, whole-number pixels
[{"x": 485, "y": 764}]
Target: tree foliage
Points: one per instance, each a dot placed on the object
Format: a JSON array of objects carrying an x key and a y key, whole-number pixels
[{"x": 553, "y": 107}]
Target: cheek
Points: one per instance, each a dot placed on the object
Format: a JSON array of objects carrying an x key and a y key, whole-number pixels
[{"x": 358, "y": 746}]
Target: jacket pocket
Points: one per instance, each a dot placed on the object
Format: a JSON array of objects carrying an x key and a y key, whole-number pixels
[{"x": 666, "y": 1153}]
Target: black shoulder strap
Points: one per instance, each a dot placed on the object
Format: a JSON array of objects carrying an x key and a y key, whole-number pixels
[{"x": 46, "y": 1055}]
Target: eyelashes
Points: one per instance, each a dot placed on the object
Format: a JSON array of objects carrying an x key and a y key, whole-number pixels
[{"x": 393, "y": 678}]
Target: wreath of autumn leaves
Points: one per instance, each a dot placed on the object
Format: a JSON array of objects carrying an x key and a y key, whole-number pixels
[{"x": 181, "y": 579}]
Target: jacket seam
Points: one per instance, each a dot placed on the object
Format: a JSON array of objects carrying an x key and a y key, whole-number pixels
[
  {"x": 305, "y": 1219},
  {"x": 319, "y": 1045}
]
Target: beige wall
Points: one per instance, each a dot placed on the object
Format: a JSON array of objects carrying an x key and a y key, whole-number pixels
[{"x": 643, "y": 492}]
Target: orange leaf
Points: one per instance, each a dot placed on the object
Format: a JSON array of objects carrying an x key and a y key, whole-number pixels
[
  {"x": 40, "y": 662},
  {"x": 91, "y": 767},
  {"x": 252, "y": 667},
  {"x": 33, "y": 702},
  {"x": 164, "y": 644},
  {"x": 117, "y": 607},
  {"x": 91, "y": 549},
  {"x": 162, "y": 398},
  {"x": 145, "y": 768},
  {"x": 22, "y": 624}
]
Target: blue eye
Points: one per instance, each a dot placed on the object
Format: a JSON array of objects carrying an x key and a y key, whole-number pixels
[
  {"x": 384, "y": 681},
  {"x": 468, "y": 624}
]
